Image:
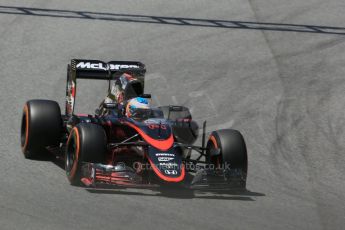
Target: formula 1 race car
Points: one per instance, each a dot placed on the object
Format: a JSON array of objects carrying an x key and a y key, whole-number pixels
[{"x": 111, "y": 148}]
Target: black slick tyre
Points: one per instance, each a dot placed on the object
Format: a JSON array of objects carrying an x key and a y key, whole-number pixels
[
  {"x": 41, "y": 127},
  {"x": 86, "y": 143},
  {"x": 231, "y": 150}
]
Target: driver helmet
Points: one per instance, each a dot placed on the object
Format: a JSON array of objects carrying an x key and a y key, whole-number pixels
[{"x": 138, "y": 107}]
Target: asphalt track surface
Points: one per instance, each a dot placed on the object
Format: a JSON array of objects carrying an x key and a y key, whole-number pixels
[{"x": 272, "y": 69}]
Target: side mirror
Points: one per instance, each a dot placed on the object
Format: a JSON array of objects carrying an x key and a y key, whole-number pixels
[
  {"x": 145, "y": 95},
  {"x": 110, "y": 105},
  {"x": 176, "y": 108}
]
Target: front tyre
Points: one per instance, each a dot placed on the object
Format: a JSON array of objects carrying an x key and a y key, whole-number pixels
[
  {"x": 227, "y": 147},
  {"x": 86, "y": 143},
  {"x": 41, "y": 127}
]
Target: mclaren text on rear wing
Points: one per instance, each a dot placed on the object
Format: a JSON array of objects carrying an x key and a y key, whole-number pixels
[{"x": 96, "y": 69}]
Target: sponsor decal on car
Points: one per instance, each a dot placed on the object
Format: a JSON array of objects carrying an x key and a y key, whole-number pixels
[
  {"x": 103, "y": 66},
  {"x": 70, "y": 97},
  {"x": 165, "y": 154},
  {"x": 151, "y": 121},
  {"x": 170, "y": 172},
  {"x": 165, "y": 159},
  {"x": 167, "y": 165},
  {"x": 155, "y": 121},
  {"x": 154, "y": 126}
]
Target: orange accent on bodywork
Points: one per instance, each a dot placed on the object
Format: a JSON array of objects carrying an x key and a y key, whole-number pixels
[
  {"x": 161, "y": 145},
  {"x": 26, "y": 111},
  {"x": 75, "y": 163},
  {"x": 86, "y": 181},
  {"x": 82, "y": 115},
  {"x": 73, "y": 91},
  {"x": 163, "y": 177}
]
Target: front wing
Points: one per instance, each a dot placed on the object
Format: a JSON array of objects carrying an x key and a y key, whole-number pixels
[{"x": 100, "y": 175}]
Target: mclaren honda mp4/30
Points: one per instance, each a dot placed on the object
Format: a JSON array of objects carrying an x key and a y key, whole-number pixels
[{"x": 110, "y": 148}]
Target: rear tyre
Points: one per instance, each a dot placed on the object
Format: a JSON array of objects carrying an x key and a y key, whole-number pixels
[
  {"x": 86, "y": 143},
  {"x": 232, "y": 150},
  {"x": 41, "y": 127}
]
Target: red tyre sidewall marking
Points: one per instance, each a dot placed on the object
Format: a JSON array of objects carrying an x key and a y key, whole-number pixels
[
  {"x": 26, "y": 111},
  {"x": 214, "y": 141},
  {"x": 73, "y": 171}
]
